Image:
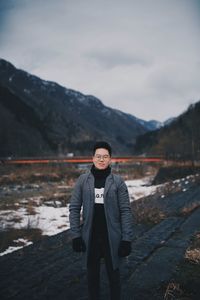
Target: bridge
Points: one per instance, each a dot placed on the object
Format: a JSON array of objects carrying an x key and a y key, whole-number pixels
[{"x": 79, "y": 159}]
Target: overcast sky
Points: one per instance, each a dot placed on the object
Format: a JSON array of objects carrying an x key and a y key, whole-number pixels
[{"x": 140, "y": 56}]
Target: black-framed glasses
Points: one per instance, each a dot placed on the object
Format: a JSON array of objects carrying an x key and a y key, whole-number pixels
[{"x": 102, "y": 157}]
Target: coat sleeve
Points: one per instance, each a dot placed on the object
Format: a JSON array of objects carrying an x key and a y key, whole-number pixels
[
  {"x": 125, "y": 212},
  {"x": 75, "y": 209}
]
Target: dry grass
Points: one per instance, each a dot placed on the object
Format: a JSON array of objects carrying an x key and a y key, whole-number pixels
[
  {"x": 193, "y": 253},
  {"x": 16, "y": 219},
  {"x": 173, "y": 291},
  {"x": 133, "y": 171},
  {"x": 189, "y": 207},
  {"x": 7, "y": 237},
  {"x": 19, "y": 174},
  {"x": 154, "y": 208},
  {"x": 30, "y": 209},
  {"x": 185, "y": 284},
  {"x": 193, "y": 256},
  {"x": 147, "y": 215}
]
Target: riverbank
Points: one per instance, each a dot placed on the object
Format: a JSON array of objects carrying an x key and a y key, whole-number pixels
[
  {"x": 34, "y": 201},
  {"x": 156, "y": 268}
]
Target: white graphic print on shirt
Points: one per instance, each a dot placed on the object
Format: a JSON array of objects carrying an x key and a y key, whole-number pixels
[{"x": 99, "y": 195}]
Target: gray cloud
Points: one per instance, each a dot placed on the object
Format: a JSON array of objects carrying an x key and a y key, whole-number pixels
[
  {"x": 138, "y": 56},
  {"x": 113, "y": 59}
]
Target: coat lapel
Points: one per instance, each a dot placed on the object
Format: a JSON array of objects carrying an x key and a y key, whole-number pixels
[
  {"x": 91, "y": 185},
  {"x": 108, "y": 184}
]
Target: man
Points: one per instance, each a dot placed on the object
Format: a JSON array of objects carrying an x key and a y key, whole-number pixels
[{"x": 107, "y": 224}]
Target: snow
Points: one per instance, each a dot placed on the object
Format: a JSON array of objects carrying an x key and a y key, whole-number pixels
[
  {"x": 51, "y": 217},
  {"x": 11, "y": 78},
  {"x": 44, "y": 82},
  {"x": 106, "y": 111},
  {"x": 11, "y": 248},
  {"x": 50, "y": 220},
  {"x": 140, "y": 188}
]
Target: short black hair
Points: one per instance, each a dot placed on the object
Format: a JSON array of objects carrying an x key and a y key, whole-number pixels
[{"x": 102, "y": 144}]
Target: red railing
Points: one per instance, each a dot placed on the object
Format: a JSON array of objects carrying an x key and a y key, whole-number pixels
[{"x": 80, "y": 159}]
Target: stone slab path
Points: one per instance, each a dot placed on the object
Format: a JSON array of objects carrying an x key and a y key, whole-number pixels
[{"x": 50, "y": 270}]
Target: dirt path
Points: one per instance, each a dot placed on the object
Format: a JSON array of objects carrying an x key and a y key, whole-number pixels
[{"x": 50, "y": 270}]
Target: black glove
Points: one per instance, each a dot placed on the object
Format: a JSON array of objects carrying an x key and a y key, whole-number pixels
[
  {"x": 78, "y": 245},
  {"x": 124, "y": 248}
]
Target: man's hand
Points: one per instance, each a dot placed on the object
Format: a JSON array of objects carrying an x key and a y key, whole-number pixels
[
  {"x": 124, "y": 248},
  {"x": 78, "y": 245}
]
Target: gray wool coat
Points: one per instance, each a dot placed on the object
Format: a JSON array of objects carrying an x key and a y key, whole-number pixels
[{"x": 118, "y": 213}]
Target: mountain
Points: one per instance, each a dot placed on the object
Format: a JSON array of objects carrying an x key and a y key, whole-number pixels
[
  {"x": 180, "y": 138},
  {"x": 150, "y": 125},
  {"x": 153, "y": 124},
  {"x": 168, "y": 121},
  {"x": 39, "y": 117}
]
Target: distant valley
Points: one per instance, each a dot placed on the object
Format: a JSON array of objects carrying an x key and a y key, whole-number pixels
[
  {"x": 39, "y": 118},
  {"x": 43, "y": 118}
]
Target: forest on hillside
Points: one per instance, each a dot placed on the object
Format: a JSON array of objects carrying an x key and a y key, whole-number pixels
[{"x": 179, "y": 140}]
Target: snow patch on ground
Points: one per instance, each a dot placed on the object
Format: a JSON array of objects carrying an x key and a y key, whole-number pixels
[
  {"x": 140, "y": 188},
  {"x": 12, "y": 248},
  {"x": 51, "y": 217}
]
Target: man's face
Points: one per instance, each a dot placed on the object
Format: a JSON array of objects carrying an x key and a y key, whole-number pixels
[{"x": 101, "y": 158}]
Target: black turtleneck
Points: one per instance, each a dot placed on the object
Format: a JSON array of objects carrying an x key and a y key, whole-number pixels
[{"x": 99, "y": 228}]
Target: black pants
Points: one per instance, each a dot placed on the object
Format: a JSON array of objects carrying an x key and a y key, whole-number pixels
[{"x": 100, "y": 248}]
